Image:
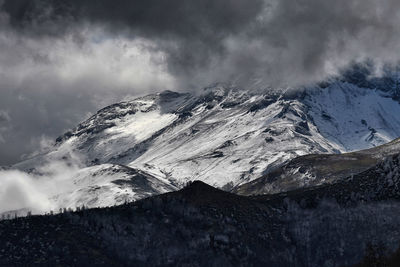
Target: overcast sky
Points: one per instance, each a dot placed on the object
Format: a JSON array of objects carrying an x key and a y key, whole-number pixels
[{"x": 62, "y": 60}]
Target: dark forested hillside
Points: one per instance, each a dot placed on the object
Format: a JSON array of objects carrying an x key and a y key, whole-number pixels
[{"x": 330, "y": 225}]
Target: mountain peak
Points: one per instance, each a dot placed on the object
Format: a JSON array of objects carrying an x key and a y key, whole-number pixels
[{"x": 225, "y": 137}]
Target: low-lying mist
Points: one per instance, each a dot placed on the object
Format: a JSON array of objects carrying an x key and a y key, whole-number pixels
[{"x": 36, "y": 191}]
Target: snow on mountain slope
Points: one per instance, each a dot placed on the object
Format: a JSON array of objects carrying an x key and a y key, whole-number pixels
[
  {"x": 119, "y": 127},
  {"x": 223, "y": 136},
  {"x": 228, "y": 143},
  {"x": 108, "y": 185},
  {"x": 354, "y": 118}
]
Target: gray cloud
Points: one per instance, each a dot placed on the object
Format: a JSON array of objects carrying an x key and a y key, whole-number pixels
[
  {"x": 282, "y": 42},
  {"x": 191, "y": 33},
  {"x": 4, "y": 121},
  {"x": 4, "y": 117},
  {"x": 48, "y": 85},
  {"x": 60, "y": 60}
]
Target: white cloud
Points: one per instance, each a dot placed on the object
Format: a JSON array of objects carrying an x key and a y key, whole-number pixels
[
  {"x": 35, "y": 191},
  {"x": 19, "y": 190}
]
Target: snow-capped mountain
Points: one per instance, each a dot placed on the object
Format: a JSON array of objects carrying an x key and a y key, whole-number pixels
[{"x": 224, "y": 136}]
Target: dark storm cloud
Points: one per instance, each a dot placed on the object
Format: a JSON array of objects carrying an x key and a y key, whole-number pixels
[
  {"x": 278, "y": 41},
  {"x": 60, "y": 60},
  {"x": 4, "y": 117},
  {"x": 281, "y": 41},
  {"x": 182, "y": 22},
  {"x": 191, "y": 32},
  {"x": 322, "y": 32}
]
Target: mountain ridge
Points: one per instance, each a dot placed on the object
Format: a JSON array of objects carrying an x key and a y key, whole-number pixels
[{"x": 224, "y": 136}]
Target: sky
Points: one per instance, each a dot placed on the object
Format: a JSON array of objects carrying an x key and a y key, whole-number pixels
[{"x": 60, "y": 61}]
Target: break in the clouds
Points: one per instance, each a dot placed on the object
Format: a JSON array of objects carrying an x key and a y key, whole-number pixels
[{"x": 60, "y": 60}]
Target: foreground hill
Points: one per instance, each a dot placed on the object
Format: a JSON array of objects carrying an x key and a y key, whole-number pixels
[{"x": 329, "y": 225}]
